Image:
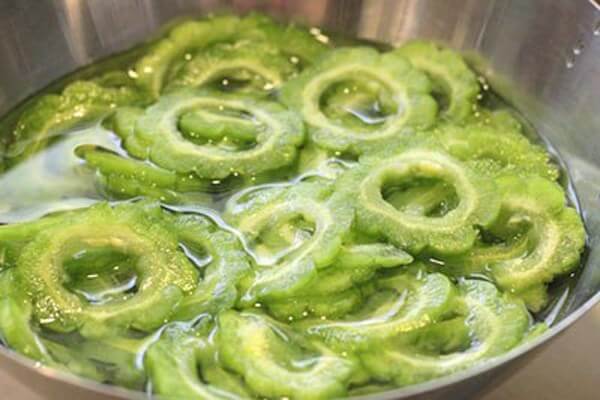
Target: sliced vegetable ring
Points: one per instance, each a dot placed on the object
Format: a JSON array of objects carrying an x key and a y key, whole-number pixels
[
  {"x": 356, "y": 264},
  {"x": 398, "y": 98},
  {"x": 291, "y": 232},
  {"x": 340, "y": 288},
  {"x": 81, "y": 101},
  {"x": 445, "y": 228},
  {"x": 276, "y": 366},
  {"x": 125, "y": 177},
  {"x": 400, "y": 304},
  {"x": 216, "y": 136},
  {"x": 491, "y": 151},
  {"x": 226, "y": 263},
  {"x": 455, "y": 84},
  {"x": 164, "y": 274},
  {"x": 169, "y": 55},
  {"x": 182, "y": 365},
  {"x": 497, "y": 324},
  {"x": 541, "y": 238},
  {"x": 332, "y": 305},
  {"x": 242, "y": 66},
  {"x": 302, "y": 47},
  {"x": 115, "y": 354}
]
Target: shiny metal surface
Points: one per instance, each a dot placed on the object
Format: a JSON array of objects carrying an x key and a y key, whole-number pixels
[{"x": 541, "y": 55}]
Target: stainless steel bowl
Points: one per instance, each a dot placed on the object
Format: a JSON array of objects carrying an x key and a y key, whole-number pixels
[{"x": 543, "y": 56}]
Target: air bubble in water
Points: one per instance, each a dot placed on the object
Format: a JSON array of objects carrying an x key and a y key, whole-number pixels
[
  {"x": 570, "y": 62},
  {"x": 578, "y": 48}
]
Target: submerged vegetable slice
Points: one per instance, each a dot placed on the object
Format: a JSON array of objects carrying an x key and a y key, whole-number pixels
[
  {"x": 123, "y": 123},
  {"x": 217, "y": 136},
  {"x": 111, "y": 359},
  {"x": 331, "y": 305},
  {"x": 15, "y": 315},
  {"x": 337, "y": 290},
  {"x": 356, "y": 264},
  {"x": 497, "y": 323},
  {"x": 125, "y": 177},
  {"x": 455, "y": 85},
  {"x": 539, "y": 238},
  {"x": 494, "y": 151},
  {"x": 169, "y": 53},
  {"x": 449, "y": 227},
  {"x": 225, "y": 264},
  {"x": 400, "y": 304},
  {"x": 14, "y": 237},
  {"x": 182, "y": 365},
  {"x": 291, "y": 233},
  {"x": 303, "y": 47},
  {"x": 241, "y": 66},
  {"x": 76, "y": 241},
  {"x": 315, "y": 162},
  {"x": 185, "y": 40},
  {"x": 80, "y": 101},
  {"x": 276, "y": 362},
  {"x": 371, "y": 98},
  {"x": 163, "y": 274}
]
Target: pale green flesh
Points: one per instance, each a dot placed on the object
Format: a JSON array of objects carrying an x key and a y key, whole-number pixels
[{"x": 242, "y": 209}]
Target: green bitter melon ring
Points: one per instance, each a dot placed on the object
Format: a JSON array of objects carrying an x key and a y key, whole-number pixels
[
  {"x": 79, "y": 102},
  {"x": 408, "y": 88},
  {"x": 454, "y": 232},
  {"x": 355, "y": 264},
  {"x": 496, "y": 322},
  {"x": 312, "y": 202},
  {"x": 127, "y": 177},
  {"x": 227, "y": 265},
  {"x": 164, "y": 274},
  {"x": 252, "y": 345},
  {"x": 550, "y": 245},
  {"x": 336, "y": 290},
  {"x": 401, "y": 303},
  {"x": 169, "y": 55},
  {"x": 182, "y": 365},
  {"x": 167, "y": 285},
  {"x": 167, "y": 280},
  {"x": 123, "y": 177},
  {"x": 451, "y": 77},
  {"x": 259, "y": 65},
  {"x": 158, "y": 135},
  {"x": 116, "y": 353},
  {"x": 494, "y": 151}
]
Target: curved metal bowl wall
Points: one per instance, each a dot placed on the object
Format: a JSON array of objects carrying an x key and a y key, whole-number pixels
[{"x": 541, "y": 55}]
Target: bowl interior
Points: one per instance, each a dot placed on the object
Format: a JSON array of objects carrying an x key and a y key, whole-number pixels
[{"x": 543, "y": 57}]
